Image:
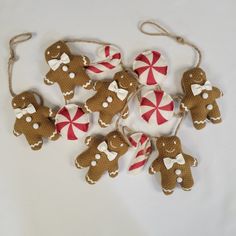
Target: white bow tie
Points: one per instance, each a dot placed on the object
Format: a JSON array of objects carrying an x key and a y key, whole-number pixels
[
  {"x": 21, "y": 112},
  {"x": 55, "y": 63},
  {"x": 169, "y": 162},
  {"x": 120, "y": 93},
  {"x": 102, "y": 147},
  {"x": 197, "y": 88}
]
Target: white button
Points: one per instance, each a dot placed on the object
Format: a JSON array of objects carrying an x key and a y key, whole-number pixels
[
  {"x": 105, "y": 104},
  {"x": 28, "y": 119},
  {"x": 109, "y": 99},
  {"x": 179, "y": 180},
  {"x": 205, "y": 95},
  {"x": 93, "y": 163},
  {"x": 65, "y": 68},
  {"x": 35, "y": 126},
  {"x": 178, "y": 172},
  {"x": 97, "y": 156},
  {"x": 209, "y": 107},
  {"x": 72, "y": 75}
]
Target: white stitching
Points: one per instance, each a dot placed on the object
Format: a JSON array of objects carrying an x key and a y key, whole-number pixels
[
  {"x": 16, "y": 133},
  {"x": 84, "y": 60},
  {"x": 88, "y": 140},
  {"x": 103, "y": 123},
  {"x": 199, "y": 122},
  {"x": 186, "y": 189},
  {"x": 68, "y": 93},
  {"x": 36, "y": 144},
  {"x": 215, "y": 118},
  {"x": 53, "y": 134},
  {"x": 87, "y": 84},
  {"x": 48, "y": 81},
  {"x": 167, "y": 190},
  {"x": 50, "y": 112},
  {"x": 114, "y": 172},
  {"x": 86, "y": 107},
  {"x": 78, "y": 165},
  {"x": 90, "y": 180},
  {"x": 185, "y": 108},
  {"x": 152, "y": 170}
]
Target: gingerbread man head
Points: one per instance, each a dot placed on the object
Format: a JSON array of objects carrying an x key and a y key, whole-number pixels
[
  {"x": 126, "y": 80},
  {"x": 23, "y": 100},
  {"x": 168, "y": 146},
  {"x": 117, "y": 143}
]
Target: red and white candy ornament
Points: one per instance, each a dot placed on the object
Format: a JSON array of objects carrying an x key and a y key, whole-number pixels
[
  {"x": 110, "y": 59},
  {"x": 156, "y": 107},
  {"x": 71, "y": 122},
  {"x": 151, "y": 67},
  {"x": 142, "y": 143}
]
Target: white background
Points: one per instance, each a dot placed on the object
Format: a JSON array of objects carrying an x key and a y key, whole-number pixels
[{"x": 43, "y": 194}]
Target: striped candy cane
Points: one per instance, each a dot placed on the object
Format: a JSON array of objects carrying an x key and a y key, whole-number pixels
[
  {"x": 142, "y": 143},
  {"x": 110, "y": 58}
]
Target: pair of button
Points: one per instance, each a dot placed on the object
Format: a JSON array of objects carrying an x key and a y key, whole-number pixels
[
  {"x": 108, "y": 100},
  {"x": 97, "y": 157},
  {"x": 71, "y": 74},
  {"x": 179, "y": 179}
]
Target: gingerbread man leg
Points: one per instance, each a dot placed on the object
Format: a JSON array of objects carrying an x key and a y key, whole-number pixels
[
  {"x": 214, "y": 114},
  {"x": 67, "y": 90},
  {"x": 113, "y": 170},
  {"x": 83, "y": 160},
  {"x": 187, "y": 183},
  {"x": 168, "y": 184},
  {"x": 94, "y": 174},
  {"x": 49, "y": 131},
  {"x": 93, "y": 104},
  {"x": 35, "y": 141},
  {"x": 199, "y": 117},
  {"x": 105, "y": 119}
]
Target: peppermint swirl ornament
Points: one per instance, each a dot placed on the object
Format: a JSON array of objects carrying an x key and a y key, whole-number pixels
[
  {"x": 71, "y": 122},
  {"x": 151, "y": 68}
]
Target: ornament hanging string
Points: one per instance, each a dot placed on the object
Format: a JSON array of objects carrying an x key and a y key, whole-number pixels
[
  {"x": 163, "y": 32},
  {"x": 13, "y": 58}
]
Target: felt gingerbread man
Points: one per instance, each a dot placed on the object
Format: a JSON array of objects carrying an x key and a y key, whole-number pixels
[
  {"x": 102, "y": 155},
  {"x": 66, "y": 69},
  {"x": 33, "y": 120},
  {"x": 200, "y": 98},
  {"x": 173, "y": 165},
  {"x": 111, "y": 97}
]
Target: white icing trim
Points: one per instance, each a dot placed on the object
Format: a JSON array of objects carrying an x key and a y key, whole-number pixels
[
  {"x": 68, "y": 93},
  {"x": 86, "y": 107},
  {"x": 185, "y": 108},
  {"x": 195, "y": 163},
  {"x": 53, "y": 134},
  {"x": 215, "y": 118},
  {"x": 114, "y": 172},
  {"x": 152, "y": 170},
  {"x": 50, "y": 112},
  {"x": 36, "y": 144},
  {"x": 167, "y": 190},
  {"x": 87, "y": 84},
  {"x": 125, "y": 114},
  {"x": 94, "y": 86},
  {"x": 78, "y": 165},
  {"x": 186, "y": 189},
  {"x": 16, "y": 133},
  {"x": 199, "y": 122},
  {"x": 48, "y": 81},
  {"x": 103, "y": 123},
  {"x": 84, "y": 60},
  {"x": 90, "y": 180},
  {"x": 88, "y": 140}
]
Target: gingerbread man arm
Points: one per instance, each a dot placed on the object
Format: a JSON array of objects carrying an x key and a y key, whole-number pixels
[
  {"x": 48, "y": 112},
  {"x": 185, "y": 104},
  {"x": 191, "y": 160},
  {"x": 217, "y": 92},
  {"x": 81, "y": 60},
  {"x": 155, "y": 166},
  {"x": 98, "y": 84},
  {"x": 113, "y": 170},
  {"x": 91, "y": 141},
  {"x": 17, "y": 131},
  {"x": 49, "y": 78}
]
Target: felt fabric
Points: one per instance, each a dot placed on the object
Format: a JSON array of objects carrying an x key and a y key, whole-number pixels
[
  {"x": 102, "y": 155},
  {"x": 111, "y": 97},
  {"x": 66, "y": 69},
  {"x": 200, "y": 98},
  {"x": 33, "y": 120},
  {"x": 173, "y": 165}
]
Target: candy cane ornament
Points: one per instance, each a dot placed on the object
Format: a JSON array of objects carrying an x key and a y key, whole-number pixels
[
  {"x": 151, "y": 67},
  {"x": 142, "y": 143},
  {"x": 71, "y": 122},
  {"x": 111, "y": 58},
  {"x": 156, "y": 107}
]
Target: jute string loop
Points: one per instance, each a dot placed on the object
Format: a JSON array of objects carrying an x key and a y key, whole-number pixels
[
  {"x": 12, "y": 59},
  {"x": 163, "y": 32}
]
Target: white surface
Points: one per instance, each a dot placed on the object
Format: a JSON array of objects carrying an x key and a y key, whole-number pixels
[{"x": 42, "y": 193}]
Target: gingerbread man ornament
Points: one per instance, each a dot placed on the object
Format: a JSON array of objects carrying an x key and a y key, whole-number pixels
[
  {"x": 200, "y": 98},
  {"x": 111, "y": 97},
  {"x": 66, "y": 69},
  {"x": 102, "y": 155},
  {"x": 173, "y": 164},
  {"x": 33, "y": 120}
]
